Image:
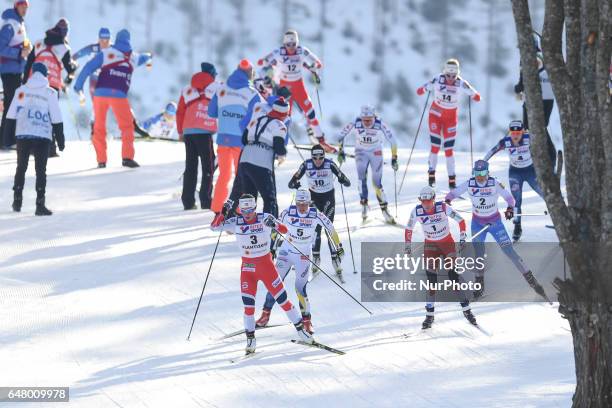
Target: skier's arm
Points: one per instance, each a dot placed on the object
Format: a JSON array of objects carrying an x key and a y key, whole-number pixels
[
  {"x": 505, "y": 194},
  {"x": 497, "y": 148},
  {"x": 85, "y": 51},
  {"x": 6, "y": 34},
  {"x": 295, "y": 180},
  {"x": 427, "y": 86},
  {"x": 180, "y": 115},
  {"x": 469, "y": 90},
  {"x": 28, "y": 66},
  {"x": 213, "y": 107},
  {"x": 390, "y": 138},
  {"x": 146, "y": 125},
  {"x": 456, "y": 192},
  {"x": 70, "y": 65},
  {"x": 345, "y": 132},
  {"x": 312, "y": 62},
  {"x": 342, "y": 179},
  {"x": 455, "y": 216},
  {"x": 271, "y": 222},
  {"x": 266, "y": 63},
  {"x": 228, "y": 225},
  {"x": 323, "y": 221},
  {"x": 139, "y": 59},
  {"x": 92, "y": 66},
  {"x": 410, "y": 227}
]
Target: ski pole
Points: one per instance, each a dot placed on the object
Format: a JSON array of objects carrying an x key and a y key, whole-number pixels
[
  {"x": 204, "y": 287},
  {"x": 348, "y": 228},
  {"x": 296, "y": 146},
  {"x": 414, "y": 142},
  {"x": 395, "y": 189},
  {"x": 319, "y": 101},
  {"x": 324, "y": 273},
  {"x": 532, "y": 214},
  {"x": 74, "y": 118},
  {"x": 471, "y": 147},
  {"x": 482, "y": 231}
]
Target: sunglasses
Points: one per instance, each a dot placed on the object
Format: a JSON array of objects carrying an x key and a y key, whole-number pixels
[
  {"x": 290, "y": 44},
  {"x": 318, "y": 157},
  {"x": 481, "y": 173}
]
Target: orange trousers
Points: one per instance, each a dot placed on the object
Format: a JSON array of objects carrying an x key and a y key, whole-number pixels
[
  {"x": 125, "y": 120},
  {"x": 227, "y": 159}
]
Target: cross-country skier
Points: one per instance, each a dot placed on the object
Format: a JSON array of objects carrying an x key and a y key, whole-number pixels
[
  {"x": 301, "y": 220},
  {"x": 484, "y": 192},
  {"x": 518, "y": 144},
  {"x": 104, "y": 41},
  {"x": 34, "y": 115},
  {"x": 370, "y": 132},
  {"x": 253, "y": 232},
  {"x": 162, "y": 125},
  {"x": 433, "y": 216},
  {"x": 320, "y": 173},
  {"x": 289, "y": 59},
  {"x": 229, "y": 104},
  {"x": 54, "y": 52},
  {"x": 447, "y": 88},
  {"x": 196, "y": 129},
  {"x": 116, "y": 65},
  {"x": 14, "y": 49}
]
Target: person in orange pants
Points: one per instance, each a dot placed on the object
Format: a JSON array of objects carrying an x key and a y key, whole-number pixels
[
  {"x": 116, "y": 65},
  {"x": 230, "y": 103}
]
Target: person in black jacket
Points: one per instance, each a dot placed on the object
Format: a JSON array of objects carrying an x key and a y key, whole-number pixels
[{"x": 54, "y": 52}]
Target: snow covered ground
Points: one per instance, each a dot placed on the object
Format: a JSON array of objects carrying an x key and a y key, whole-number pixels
[{"x": 100, "y": 296}]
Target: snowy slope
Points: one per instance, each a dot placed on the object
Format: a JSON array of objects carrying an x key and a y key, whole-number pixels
[
  {"x": 361, "y": 66},
  {"x": 100, "y": 296}
]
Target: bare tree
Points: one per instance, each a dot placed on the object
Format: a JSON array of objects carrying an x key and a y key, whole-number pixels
[{"x": 578, "y": 70}]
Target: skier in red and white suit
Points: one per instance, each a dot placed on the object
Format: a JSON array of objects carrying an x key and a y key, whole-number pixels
[
  {"x": 447, "y": 87},
  {"x": 289, "y": 59},
  {"x": 439, "y": 242},
  {"x": 253, "y": 232}
]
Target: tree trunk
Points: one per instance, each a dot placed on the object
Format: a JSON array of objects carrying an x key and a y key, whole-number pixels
[{"x": 584, "y": 223}]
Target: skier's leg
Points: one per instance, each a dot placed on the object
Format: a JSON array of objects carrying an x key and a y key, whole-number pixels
[
  {"x": 266, "y": 186},
  {"x": 283, "y": 266},
  {"x": 302, "y": 270},
  {"x": 361, "y": 161},
  {"x": 376, "y": 162},
  {"x": 190, "y": 175},
  {"x": 206, "y": 152},
  {"x": 330, "y": 211},
  {"x": 24, "y": 147},
  {"x": 301, "y": 98},
  {"x": 101, "y": 105},
  {"x": 273, "y": 282},
  {"x": 450, "y": 132},
  {"x": 500, "y": 234},
  {"x": 478, "y": 243},
  {"x": 125, "y": 120},
  {"x": 530, "y": 178},
  {"x": 248, "y": 285},
  {"x": 318, "y": 199},
  {"x": 435, "y": 136}
]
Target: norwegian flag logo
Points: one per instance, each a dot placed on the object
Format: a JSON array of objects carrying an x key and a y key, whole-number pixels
[
  {"x": 425, "y": 219},
  {"x": 312, "y": 173},
  {"x": 295, "y": 221},
  {"x": 512, "y": 150},
  {"x": 475, "y": 190},
  {"x": 244, "y": 228}
]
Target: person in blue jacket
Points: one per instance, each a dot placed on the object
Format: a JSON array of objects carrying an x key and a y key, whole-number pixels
[
  {"x": 14, "y": 50},
  {"x": 230, "y": 103}
]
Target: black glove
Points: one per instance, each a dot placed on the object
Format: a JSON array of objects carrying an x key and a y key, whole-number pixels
[
  {"x": 340, "y": 251},
  {"x": 344, "y": 181},
  {"x": 293, "y": 183},
  {"x": 341, "y": 156},
  {"x": 394, "y": 164},
  {"x": 316, "y": 77},
  {"x": 284, "y": 92},
  {"x": 268, "y": 81},
  {"x": 509, "y": 213},
  {"x": 68, "y": 79},
  {"x": 447, "y": 201},
  {"x": 270, "y": 222},
  {"x": 227, "y": 208}
]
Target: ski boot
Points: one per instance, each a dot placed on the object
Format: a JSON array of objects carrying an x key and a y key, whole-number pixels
[
  {"x": 306, "y": 320},
  {"x": 17, "y": 200},
  {"x": 264, "y": 318},
  {"x": 479, "y": 293},
  {"x": 130, "y": 163},
  {"x": 364, "y": 208},
  {"x": 429, "y": 318},
  {"x": 304, "y": 335},
  {"x": 388, "y": 217},
  {"x": 327, "y": 147},
  {"x": 250, "y": 344},
  {"x": 316, "y": 259},
  {"x": 432, "y": 177},
  {"x": 101, "y": 165},
  {"x": 535, "y": 285},
  {"x": 452, "y": 182},
  {"x": 337, "y": 263},
  {"x": 40, "y": 207},
  {"x": 470, "y": 317},
  {"x": 518, "y": 231}
]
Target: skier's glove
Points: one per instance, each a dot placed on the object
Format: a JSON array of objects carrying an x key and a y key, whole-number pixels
[
  {"x": 293, "y": 183},
  {"x": 420, "y": 91},
  {"x": 394, "y": 164},
  {"x": 340, "y": 251},
  {"x": 68, "y": 79},
  {"x": 268, "y": 81},
  {"x": 476, "y": 97},
  {"x": 509, "y": 213},
  {"x": 218, "y": 220},
  {"x": 448, "y": 202},
  {"x": 269, "y": 221},
  {"x": 316, "y": 77},
  {"x": 227, "y": 207},
  {"x": 345, "y": 181},
  {"x": 341, "y": 156}
]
